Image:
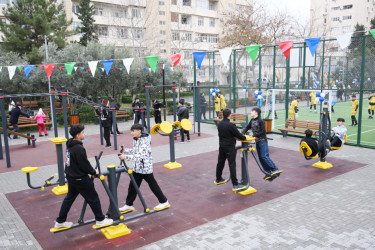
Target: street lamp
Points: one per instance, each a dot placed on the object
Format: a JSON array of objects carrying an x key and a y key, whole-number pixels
[{"x": 49, "y": 80}]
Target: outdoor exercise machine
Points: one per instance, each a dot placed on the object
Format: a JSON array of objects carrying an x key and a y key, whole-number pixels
[
  {"x": 62, "y": 187},
  {"x": 245, "y": 176},
  {"x": 116, "y": 229},
  {"x": 167, "y": 129}
]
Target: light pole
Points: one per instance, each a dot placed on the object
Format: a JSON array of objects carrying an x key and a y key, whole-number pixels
[{"x": 49, "y": 80}]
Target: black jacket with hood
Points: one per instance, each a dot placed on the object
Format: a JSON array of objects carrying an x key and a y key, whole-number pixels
[
  {"x": 77, "y": 165},
  {"x": 15, "y": 114}
]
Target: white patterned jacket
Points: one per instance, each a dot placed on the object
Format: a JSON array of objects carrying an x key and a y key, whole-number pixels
[{"x": 140, "y": 154}]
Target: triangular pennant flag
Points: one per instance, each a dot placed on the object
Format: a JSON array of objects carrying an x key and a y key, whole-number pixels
[
  {"x": 372, "y": 33},
  {"x": 69, "y": 67},
  {"x": 102, "y": 69},
  {"x": 19, "y": 68},
  {"x": 107, "y": 65},
  {"x": 144, "y": 69},
  {"x": 11, "y": 71},
  {"x": 1, "y": 68},
  {"x": 313, "y": 44},
  {"x": 152, "y": 61},
  {"x": 149, "y": 69},
  {"x": 115, "y": 69},
  {"x": 175, "y": 59},
  {"x": 60, "y": 68},
  {"x": 33, "y": 66},
  {"x": 41, "y": 67},
  {"x": 83, "y": 69},
  {"x": 344, "y": 40},
  {"x": 28, "y": 68},
  {"x": 225, "y": 54},
  {"x": 120, "y": 69},
  {"x": 49, "y": 69},
  {"x": 75, "y": 68},
  {"x": 253, "y": 51},
  {"x": 198, "y": 56},
  {"x": 127, "y": 63},
  {"x": 92, "y": 65},
  {"x": 285, "y": 48}
]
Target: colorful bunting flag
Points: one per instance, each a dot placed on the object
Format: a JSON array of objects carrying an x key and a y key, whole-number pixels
[
  {"x": 285, "y": 48},
  {"x": 127, "y": 63},
  {"x": 253, "y": 51},
  {"x": 175, "y": 59},
  {"x": 372, "y": 33},
  {"x": 198, "y": 56},
  {"x": 69, "y": 67},
  {"x": 313, "y": 44},
  {"x": 225, "y": 54},
  {"x": 107, "y": 65},
  {"x": 60, "y": 67},
  {"x": 19, "y": 68},
  {"x": 344, "y": 40},
  {"x": 28, "y": 68},
  {"x": 49, "y": 69},
  {"x": 152, "y": 61},
  {"x": 93, "y": 65},
  {"x": 11, "y": 71}
]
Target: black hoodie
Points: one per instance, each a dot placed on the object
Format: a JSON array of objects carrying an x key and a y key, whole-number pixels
[{"x": 77, "y": 165}]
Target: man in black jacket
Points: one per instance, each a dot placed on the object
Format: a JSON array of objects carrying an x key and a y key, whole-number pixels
[
  {"x": 227, "y": 149},
  {"x": 258, "y": 127},
  {"x": 77, "y": 169},
  {"x": 106, "y": 124},
  {"x": 13, "y": 120},
  {"x": 136, "y": 109},
  {"x": 183, "y": 113},
  {"x": 203, "y": 106},
  {"x": 157, "y": 110}
]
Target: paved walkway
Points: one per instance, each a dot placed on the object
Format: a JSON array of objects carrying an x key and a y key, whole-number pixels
[{"x": 337, "y": 213}]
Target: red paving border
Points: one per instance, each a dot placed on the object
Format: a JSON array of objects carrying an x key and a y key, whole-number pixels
[
  {"x": 194, "y": 198},
  {"x": 44, "y": 153}
]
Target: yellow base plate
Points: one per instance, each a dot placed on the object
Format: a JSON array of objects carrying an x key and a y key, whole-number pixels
[
  {"x": 249, "y": 190},
  {"x": 322, "y": 165},
  {"x": 116, "y": 231},
  {"x": 60, "y": 190},
  {"x": 162, "y": 208},
  {"x": 55, "y": 229},
  {"x": 127, "y": 211},
  {"x": 219, "y": 183},
  {"x": 173, "y": 165}
]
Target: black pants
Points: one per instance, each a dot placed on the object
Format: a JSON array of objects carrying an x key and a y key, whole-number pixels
[
  {"x": 15, "y": 129},
  {"x": 85, "y": 187},
  {"x": 336, "y": 142},
  {"x": 157, "y": 116},
  {"x": 149, "y": 178},
  {"x": 203, "y": 112},
  {"x": 183, "y": 132},
  {"x": 107, "y": 135},
  {"x": 137, "y": 117},
  {"x": 370, "y": 111},
  {"x": 112, "y": 128},
  {"x": 354, "y": 120},
  {"x": 230, "y": 154},
  {"x": 312, "y": 106}
]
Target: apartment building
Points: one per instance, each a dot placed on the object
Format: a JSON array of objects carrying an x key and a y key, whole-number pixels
[{"x": 330, "y": 18}]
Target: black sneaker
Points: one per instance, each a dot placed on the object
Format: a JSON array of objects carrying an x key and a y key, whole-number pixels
[
  {"x": 15, "y": 137},
  {"x": 267, "y": 177},
  {"x": 220, "y": 180},
  {"x": 40, "y": 135},
  {"x": 276, "y": 173},
  {"x": 238, "y": 186}
]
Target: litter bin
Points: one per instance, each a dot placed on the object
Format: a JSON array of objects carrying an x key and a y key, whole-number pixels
[
  {"x": 268, "y": 124},
  {"x": 74, "y": 119}
]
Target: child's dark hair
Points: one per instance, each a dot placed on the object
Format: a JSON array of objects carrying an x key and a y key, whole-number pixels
[
  {"x": 340, "y": 119},
  {"x": 153, "y": 100},
  {"x": 76, "y": 129},
  {"x": 136, "y": 98},
  {"x": 182, "y": 101},
  {"x": 298, "y": 98},
  {"x": 136, "y": 126},
  {"x": 354, "y": 96},
  {"x": 226, "y": 113},
  {"x": 258, "y": 110},
  {"x": 308, "y": 132}
]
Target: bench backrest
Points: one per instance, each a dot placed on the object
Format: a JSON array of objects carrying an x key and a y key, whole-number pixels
[
  {"x": 302, "y": 124},
  {"x": 239, "y": 117},
  {"x": 23, "y": 120}
]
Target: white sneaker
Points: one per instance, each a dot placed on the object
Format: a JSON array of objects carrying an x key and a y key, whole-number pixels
[
  {"x": 126, "y": 208},
  {"x": 182, "y": 142},
  {"x": 104, "y": 222},
  {"x": 188, "y": 140},
  {"x": 64, "y": 224},
  {"x": 162, "y": 206}
]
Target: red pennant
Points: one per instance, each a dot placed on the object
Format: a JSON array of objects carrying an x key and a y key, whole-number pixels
[
  {"x": 60, "y": 67},
  {"x": 41, "y": 67},
  {"x": 221, "y": 66},
  {"x": 182, "y": 67},
  {"x": 139, "y": 69},
  {"x": 285, "y": 48},
  {"x": 161, "y": 69},
  {"x": 175, "y": 59},
  {"x": 89, "y": 69},
  {"x": 49, "y": 69},
  {"x": 115, "y": 69},
  {"x": 205, "y": 67}
]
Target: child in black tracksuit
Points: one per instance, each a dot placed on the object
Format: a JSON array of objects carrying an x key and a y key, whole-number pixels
[
  {"x": 183, "y": 113},
  {"x": 106, "y": 124},
  {"x": 77, "y": 169}
]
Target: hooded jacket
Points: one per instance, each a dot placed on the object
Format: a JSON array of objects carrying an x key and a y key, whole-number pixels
[
  {"x": 228, "y": 133},
  {"x": 15, "y": 114},
  {"x": 183, "y": 113},
  {"x": 140, "y": 154},
  {"x": 76, "y": 163},
  {"x": 104, "y": 116},
  {"x": 259, "y": 129}
]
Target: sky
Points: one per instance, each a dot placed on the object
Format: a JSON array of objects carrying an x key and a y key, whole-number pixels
[{"x": 299, "y": 9}]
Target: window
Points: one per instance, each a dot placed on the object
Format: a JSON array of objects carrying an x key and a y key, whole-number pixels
[
  {"x": 345, "y": 7},
  {"x": 4, "y": 1},
  {"x": 186, "y": 37},
  {"x": 212, "y": 22},
  {"x": 202, "y": 4},
  {"x": 138, "y": 33},
  {"x": 136, "y": 13},
  {"x": 175, "y": 35},
  {"x": 188, "y": 54},
  {"x": 118, "y": 14},
  {"x": 163, "y": 51},
  {"x": 76, "y": 25},
  {"x": 162, "y": 13},
  {"x": 347, "y": 17},
  {"x": 122, "y": 32},
  {"x": 185, "y": 19},
  {"x": 162, "y": 32},
  {"x": 212, "y": 6},
  {"x": 202, "y": 38},
  {"x": 186, "y": 2},
  {"x": 335, "y": 8},
  {"x": 163, "y": 42},
  {"x": 99, "y": 12},
  {"x": 162, "y": 22},
  {"x": 335, "y": 19},
  {"x": 139, "y": 52},
  {"x": 174, "y": 2},
  {"x": 325, "y": 20},
  {"x": 212, "y": 38},
  {"x": 103, "y": 30},
  {"x": 174, "y": 17},
  {"x": 3, "y": 20},
  {"x": 335, "y": 30},
  {"x": 161, "y": 3},
  {"x": 74, "y": 8},
  {"x": 200, "y": 21},
  {"x": 346, "y": 28},
  {"x": 202, "y": 72},
  {"x": 334, "y": 49}
]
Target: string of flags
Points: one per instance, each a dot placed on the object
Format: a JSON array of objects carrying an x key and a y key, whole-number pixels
[{"x": 253, "y": 50}]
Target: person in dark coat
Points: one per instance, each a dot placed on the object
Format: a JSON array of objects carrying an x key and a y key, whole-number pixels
[
  {"x": 203, "y": 105},
  {"x": 136, "y": 109},
  {"x": 183, "y": 113},
  {"x": 106, "y": 124},
  {"x": 13, "y": 120},
  {"x": 157, "y": 110}
]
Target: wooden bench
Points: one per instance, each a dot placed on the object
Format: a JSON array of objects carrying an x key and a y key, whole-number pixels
[
  {"x": 30, "y": 104},
  {"x": 30, "y": 138},
  {"x": 299, "y": 127},
  {"x": 24, "y": 122},
  {"x": 235, "y": 118},
  {"x": 120, "y": 114}
]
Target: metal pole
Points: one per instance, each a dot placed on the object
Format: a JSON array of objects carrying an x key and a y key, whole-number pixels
[
  {"x": 287, "y": 89},
  {"x": 100, "y": 122},
  {"x": 322, "y": 79},
  {"x": 234, "y": 81},
  {"x": 53, "y": 111},
  {"x": 5, "y": 131},
  {"x": 163, "y": 87},
  {"x": 194, "y": 95},
  {"x": 113, "y": 109},
  {"x": 171, "y": 146},
  {"x": 49, "y": 82},
  {"x": 361, "y": 89},
  {"x": 260, "y": 69},
  {"x": 63, "y": 95},
  {"x": 148, "y": 106},
  {"x": 60, "y": 163},
  {"x": 199, "y": 108},
  {"x": 174, "y": 100},
  {"x": 329, "y": 72},
  {"x": 274, "y": 69},
  {"x": 112, "y": 185},
  {"x": 304, "y": 66}
]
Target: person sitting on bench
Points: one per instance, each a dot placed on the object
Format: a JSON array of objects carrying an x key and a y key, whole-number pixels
[
  {"x": 13, "y": 120},
  {"x": 316, "y": 147},
  {"x": 339, "y": 132}
]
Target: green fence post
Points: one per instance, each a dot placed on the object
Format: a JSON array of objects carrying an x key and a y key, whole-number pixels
[
  {"x": 274, "y": 68},
  {"x": 234, "y": 82},
  {"x": 304, "y": 66},
  {"x": 361, "y": 89},
  {"x": 260, "y": 69},
  {"x": 287, "y": 89},
  {"x": 194, "y": 96},
  {"x": 329, "y": 73},
  {"x": 322, "y": 78}
]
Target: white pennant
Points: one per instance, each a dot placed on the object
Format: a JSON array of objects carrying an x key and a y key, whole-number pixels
[
  {"x": 75, "y": 68},
  {"x": 149, "y": 69},
  {"x": 127, "y": 63},
  {"x": 172, "y": 68},
  {"x": 11, "y": 70},
  {"x": 92, "y": 65},
  {"x": 225, "y": 54},
  {"x": 102, "y": 69},
  {"x": 344, "y": 40}
]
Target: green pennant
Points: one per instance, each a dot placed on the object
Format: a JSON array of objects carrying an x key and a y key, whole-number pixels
[
  {"x": 69, "y": 67},
  {"x": 19, "y": 68},
  {"x": 152, "y": 61},
  {"x": 253, "y": 51},
  {"x": 372, "y": 33}
]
